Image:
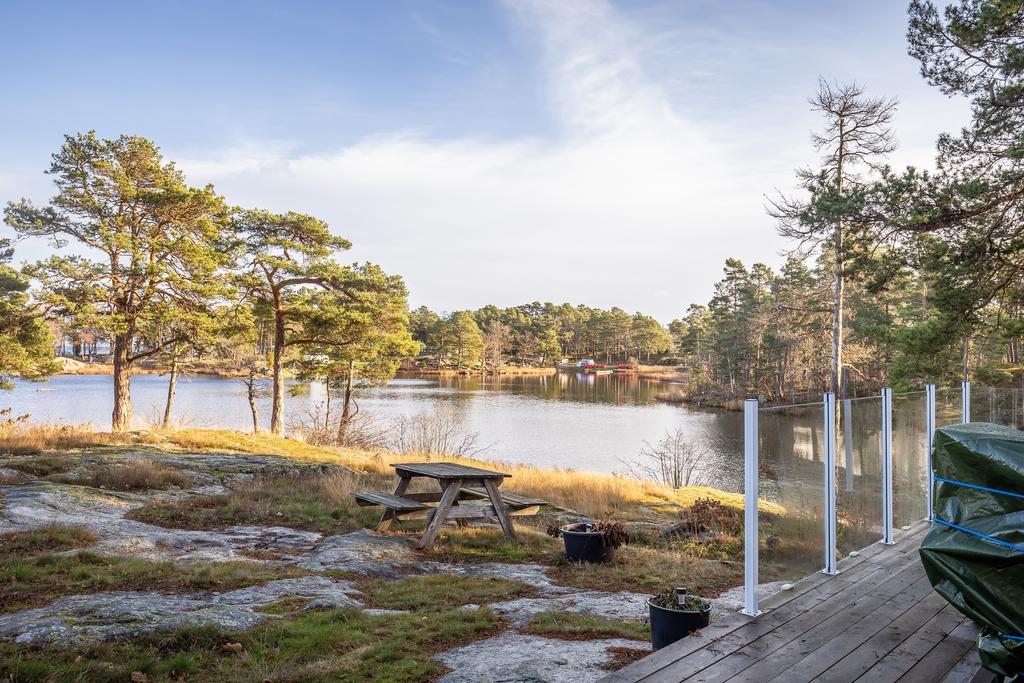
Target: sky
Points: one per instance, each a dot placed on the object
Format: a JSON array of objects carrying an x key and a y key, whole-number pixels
[{"x": 612, "y": 153}]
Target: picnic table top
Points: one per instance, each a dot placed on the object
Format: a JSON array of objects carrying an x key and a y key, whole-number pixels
[{"x": 447, "y": 470}]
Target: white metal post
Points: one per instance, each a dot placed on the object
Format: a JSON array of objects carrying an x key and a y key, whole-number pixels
[
  {"x": 965, "y": 402},
  {"x": 929, "y": 427},
  {"x": 887, "y": 523},
  {"x": 830, "y": 484},
  {"x": 750, "y": 474}
]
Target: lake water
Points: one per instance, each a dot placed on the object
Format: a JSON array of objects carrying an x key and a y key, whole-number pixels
[
  {"x": 569, "y": 420},
  {"x": 587, "y": 422}
]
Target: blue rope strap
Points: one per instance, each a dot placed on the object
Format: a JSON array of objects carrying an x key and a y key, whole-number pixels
[
  {"x": 981, "y": 535},
  {"x": 978, "y": 534},
  {"x": 980, "y": 488}
]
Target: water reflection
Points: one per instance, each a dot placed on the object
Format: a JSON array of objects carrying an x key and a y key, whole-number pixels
[{"x": 592, "y": 422}]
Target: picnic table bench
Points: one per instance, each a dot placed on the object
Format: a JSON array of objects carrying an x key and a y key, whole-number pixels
[{"x": 458, "y": 484}]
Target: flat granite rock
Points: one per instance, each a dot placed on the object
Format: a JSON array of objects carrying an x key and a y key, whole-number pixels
[
  {"x": 622, "y": 605},
  {"x": 364, "y": 552},
  {"x": 102, "y": 512},
  {"x": 518, "y": 658},
  {"x": 75, "y": 619},
  {"x": 533, "y": 575}
]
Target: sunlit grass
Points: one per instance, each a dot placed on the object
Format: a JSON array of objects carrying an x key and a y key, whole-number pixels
[
  {"x": 593, "y": 494},
  {"x": 309, "y": 501}
]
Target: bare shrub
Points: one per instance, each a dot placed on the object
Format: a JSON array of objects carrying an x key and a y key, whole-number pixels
[
  {"x": 436, "y": 433},
  {"x": 676, "y": 461},
  {"x": 321, "y": 428}
]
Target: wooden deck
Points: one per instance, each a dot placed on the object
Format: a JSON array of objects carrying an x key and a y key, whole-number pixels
[{"x": 877, "y": 620}]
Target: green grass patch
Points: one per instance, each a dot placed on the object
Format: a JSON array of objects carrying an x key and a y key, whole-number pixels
[
  {"x": 48, "y": 538},
  {"x": 470, "y": 544},
  {"x": 34, "y": 570},
  {"x": 308, "y": 501},
  {"x": 336, "y": 645},
  {"x": 574, "y": 626},
  {"x": 442, "y": 590}
]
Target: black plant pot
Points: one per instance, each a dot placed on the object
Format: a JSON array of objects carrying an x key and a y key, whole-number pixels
[
  {"x": 584, "y": 545},
  {"x": 670, "y": 625}
]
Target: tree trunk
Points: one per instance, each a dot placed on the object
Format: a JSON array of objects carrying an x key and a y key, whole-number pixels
[
  {"x": 837, "y": 300},
  {"x": 327, "y": 410},
  {"x": 251, "y": 390},
  {"x": 346, "y": 410},
  {"x": 277, "y": 410},
  {"x": 171, "y": 386},
  {"x": 837, "y": 316},
  {"x": 121, "y": 420},
  {"x": 965, "y": 357}
]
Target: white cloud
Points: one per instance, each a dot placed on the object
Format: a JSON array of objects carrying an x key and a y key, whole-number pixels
[{"x": 630, "y": 198}]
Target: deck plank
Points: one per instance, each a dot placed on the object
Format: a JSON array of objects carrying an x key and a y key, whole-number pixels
[
  {"x": 779, "y": 609},
  {"x": 878, "y": 620},
  {"x": 760, "y": 638},
  {"x": 943, "y": 657},
  {"x": 890, "y": 667}
]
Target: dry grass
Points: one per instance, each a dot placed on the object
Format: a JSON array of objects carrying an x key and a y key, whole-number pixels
[
  {"x": 656, "y": 566},
  {"x": 593, "y": 494},
  {"x": 42, "y": 465},
  {"x": 477, "y": 544},
  {"x": 576, "y": 626},
  {"x": 643, "y": 570},
  {"x": 622, "y": 656},
  {"x": 313, "y": 501},
  {"x": 439, "y": 591},
  {"x": 32, "y": 439},
  {"x": 140, "y": 475},
  {"x": 47, "y": 538}
]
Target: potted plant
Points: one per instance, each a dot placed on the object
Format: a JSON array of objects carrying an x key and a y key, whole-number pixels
[
  {"x": 675, "y": 615},
  {"x": 591, "y": 542}
]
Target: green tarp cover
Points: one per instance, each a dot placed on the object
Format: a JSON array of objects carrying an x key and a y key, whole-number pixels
[{"x": 974, "y": 552}]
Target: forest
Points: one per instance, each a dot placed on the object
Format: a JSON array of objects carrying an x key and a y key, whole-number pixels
[{"x": 536, "y": 334}]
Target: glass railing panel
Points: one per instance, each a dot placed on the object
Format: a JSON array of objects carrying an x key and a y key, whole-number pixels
[
  {"x": 858, "y": 473},
  {"x": 1000, "y": 405},
  {"x": 909, "y": 458},
  {"x": 948, "y": 406},
  {"x": 791, "y": 480}
]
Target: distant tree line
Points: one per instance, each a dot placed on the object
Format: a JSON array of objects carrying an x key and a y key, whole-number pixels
[{"x": 535, "y": 334}]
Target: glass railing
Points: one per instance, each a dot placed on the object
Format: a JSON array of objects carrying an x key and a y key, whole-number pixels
[
  {"x": 948, "y": 406},
  {"x": 791, "y": 479},
  {"x": 1002, "y": 406},
  {"x": 858, "y": 473},
  {"x": 909, "y": 458}
]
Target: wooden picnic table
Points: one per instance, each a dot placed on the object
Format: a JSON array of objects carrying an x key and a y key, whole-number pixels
[{"x": 455, "y": 481}]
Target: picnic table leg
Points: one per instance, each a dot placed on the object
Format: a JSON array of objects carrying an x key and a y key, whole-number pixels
[
  {"x": 499, "y": 508},
  {"x": 448, "y": 498},
  {"x": 389, "y": 515}
]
